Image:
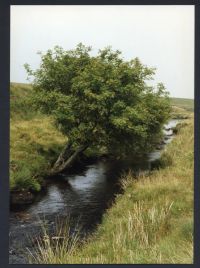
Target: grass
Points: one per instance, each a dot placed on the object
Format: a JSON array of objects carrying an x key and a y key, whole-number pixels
[
  {"x": 150, "y": 223},
  {"x": 61, "y": 242},
  {"x": 187, "y": 104},
  {"x": 34, "y": 141}
]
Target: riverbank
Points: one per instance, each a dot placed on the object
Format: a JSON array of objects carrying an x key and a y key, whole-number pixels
[{"x": 152, "y": 222}]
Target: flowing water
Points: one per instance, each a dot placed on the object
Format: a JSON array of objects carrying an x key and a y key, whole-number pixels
[{"x": 83, "y": 195}]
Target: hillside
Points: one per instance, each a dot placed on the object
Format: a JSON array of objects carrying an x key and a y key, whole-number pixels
[{"x": 187, "y": 104}]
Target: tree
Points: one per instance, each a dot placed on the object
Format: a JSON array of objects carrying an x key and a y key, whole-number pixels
[{"x": 99, "y": 100}]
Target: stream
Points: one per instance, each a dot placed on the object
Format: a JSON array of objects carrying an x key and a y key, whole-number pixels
[{"x": 84, "y": 194}]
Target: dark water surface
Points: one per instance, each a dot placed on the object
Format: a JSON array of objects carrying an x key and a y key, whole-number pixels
[{"x": 84, "y": 195}]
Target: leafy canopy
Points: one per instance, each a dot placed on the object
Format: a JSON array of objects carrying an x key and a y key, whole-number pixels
[{"x": 100, "y": 100}]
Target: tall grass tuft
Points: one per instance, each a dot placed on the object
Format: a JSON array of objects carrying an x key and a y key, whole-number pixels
[{"x": 53, "y": 246}]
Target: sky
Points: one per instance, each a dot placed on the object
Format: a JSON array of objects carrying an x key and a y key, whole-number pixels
[{"x": 160, "y": 36}]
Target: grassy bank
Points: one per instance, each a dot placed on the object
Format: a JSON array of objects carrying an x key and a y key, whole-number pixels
[
  {"x": 152, "y": 222},
  {"x": 34, "y": 141}
]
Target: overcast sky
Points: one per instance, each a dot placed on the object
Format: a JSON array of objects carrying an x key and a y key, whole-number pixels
[{"x": 161, "y": 36}]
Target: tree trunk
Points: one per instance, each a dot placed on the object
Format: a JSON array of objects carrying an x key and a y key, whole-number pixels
[
  {"x": 66, "y": 158},
  {"x": 63, "y": 156}
]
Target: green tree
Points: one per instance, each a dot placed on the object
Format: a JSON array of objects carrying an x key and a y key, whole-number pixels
[{"x": 99, "y": 100}]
